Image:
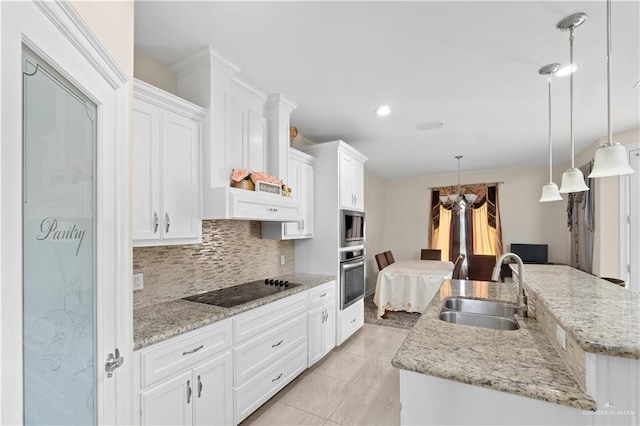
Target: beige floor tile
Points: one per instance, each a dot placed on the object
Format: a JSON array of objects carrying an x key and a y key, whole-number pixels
[
  {"x": 379, "y": 375},
  {"x": 368, "y": 407},
  {"x": 316, "y": 394},
  {"x": 341, "y": 365},
  {"x": 391, "y": 347},
  {"x": 365, "y": 345},
  {"x": 280, "y": 414}
]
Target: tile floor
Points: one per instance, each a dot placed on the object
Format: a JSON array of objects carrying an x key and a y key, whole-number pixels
[{"x": 354, "y": 384}]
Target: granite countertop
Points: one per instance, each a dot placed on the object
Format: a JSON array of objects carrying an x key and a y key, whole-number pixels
[
  {"x": 521, "y": 362},
  {"x": 602, "y": 317},
  {"x": 153, "y": 324}
]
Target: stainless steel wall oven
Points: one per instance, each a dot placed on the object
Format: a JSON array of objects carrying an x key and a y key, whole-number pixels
[{"x": 351, "y": 277}]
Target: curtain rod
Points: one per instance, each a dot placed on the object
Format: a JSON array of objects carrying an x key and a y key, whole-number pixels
[{"x": 464, "y": 184}]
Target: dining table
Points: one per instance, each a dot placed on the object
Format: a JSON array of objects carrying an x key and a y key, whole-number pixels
[{"x": 409, "y": 285}]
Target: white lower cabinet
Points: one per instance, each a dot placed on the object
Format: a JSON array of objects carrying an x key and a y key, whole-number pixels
[
  {"x": 188, "y": 380},
  {"x": 270, "y": 350},
  {"x": 350, "y": 320},
  {"x": 200, "y": 396},
  {"x": 221, "y": 373},
  {"x": 322, "y": 321}
]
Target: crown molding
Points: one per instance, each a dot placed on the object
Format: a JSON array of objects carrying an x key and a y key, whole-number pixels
[{"x": 203, "y": 59}]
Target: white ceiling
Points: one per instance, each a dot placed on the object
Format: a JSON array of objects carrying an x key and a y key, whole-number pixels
[{"x": 473, "y": 65}]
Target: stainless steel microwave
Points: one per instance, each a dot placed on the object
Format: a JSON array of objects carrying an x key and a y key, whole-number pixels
[{"x": 351, "y": 228}]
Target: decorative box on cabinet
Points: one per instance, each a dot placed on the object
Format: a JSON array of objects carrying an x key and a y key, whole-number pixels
[
  {"x": 270, "y": 350},
  {"x": 166, "y": 168},
  {"x": 301, "y": 182},
  {"x": 322, "y": 321},
  {"x": 188, "y": 379}
]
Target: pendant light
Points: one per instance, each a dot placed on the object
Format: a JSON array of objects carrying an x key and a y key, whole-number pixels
[
  {"x": 572, "y": 179},
  {"x": 611, "y": 159},
  {"x": 550, "y": 190}
]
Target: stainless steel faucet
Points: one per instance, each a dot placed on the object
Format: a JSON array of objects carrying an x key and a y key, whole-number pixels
[{"x": 522, "y": 298}]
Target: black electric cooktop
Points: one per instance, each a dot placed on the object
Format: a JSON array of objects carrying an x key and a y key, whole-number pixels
[{"x": 243, "y": 293}]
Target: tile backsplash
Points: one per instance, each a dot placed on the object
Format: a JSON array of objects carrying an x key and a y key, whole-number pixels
[{"x": 232, "y": 252}]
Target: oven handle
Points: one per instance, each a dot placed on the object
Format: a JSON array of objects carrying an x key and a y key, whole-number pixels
[{"x": 349, "y": 265}]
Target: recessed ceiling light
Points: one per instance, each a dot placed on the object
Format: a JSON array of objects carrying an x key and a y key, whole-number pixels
[
  {"x": 383, "y": 110},
  {"x": 566, "y": 70}
]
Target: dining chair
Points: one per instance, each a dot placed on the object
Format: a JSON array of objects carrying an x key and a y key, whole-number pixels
[
  {"x": 381, "y": 259},
  {"x": 457, "y": 267},
  {"x": 481, "y": 266},
  {"x": 389, "y": 257},
  {"x": 430, "y": 254}
]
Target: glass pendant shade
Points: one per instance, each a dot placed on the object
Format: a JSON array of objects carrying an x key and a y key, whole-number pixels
[
  {"x": 550, "y": 193},
  {"x": 470, "y": 198},
  {"x": 611, "y": 160},
  {"x": 573, "y": 181}
]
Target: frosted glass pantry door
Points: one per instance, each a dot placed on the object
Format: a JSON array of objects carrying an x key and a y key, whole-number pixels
[{"x": 59, "y": 250}]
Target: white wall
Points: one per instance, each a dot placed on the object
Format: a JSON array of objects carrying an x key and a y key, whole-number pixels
[
  {"x": 524, "y": 218},
  {"x": 154, "y": 72},
  {"x": 606, "y": 256},
  {"x": 374, "y": 196}
]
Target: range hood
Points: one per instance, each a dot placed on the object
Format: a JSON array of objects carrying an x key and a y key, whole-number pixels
[{"x": 210, "y": 80}]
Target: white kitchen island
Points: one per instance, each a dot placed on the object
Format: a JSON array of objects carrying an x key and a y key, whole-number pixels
[{"x": 458, "y": 374}]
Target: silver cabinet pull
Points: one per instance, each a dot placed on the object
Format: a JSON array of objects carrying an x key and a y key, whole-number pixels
[
  {"x": 112, "y": 362},
  {"x": 323, "y": 294},
  {"x": 353, "y": 320},
  {"x": 277, "y": 378},
  {"x": 193, "y": 350},
  {"x": 302, "y": 224},
  {"x": 167, "y": 222},
  {"x": 199, "y": 387},
  {"x": 188, "y": 391},
  {"x": 277, "y": 344},
  {"x": 156, "y": 222}
]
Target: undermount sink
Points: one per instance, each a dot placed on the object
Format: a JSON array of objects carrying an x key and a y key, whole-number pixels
[
  {"x": 483, "y": 307},
  {"x": 480, "y": 313},
  {"x": 476, "y": 320}
]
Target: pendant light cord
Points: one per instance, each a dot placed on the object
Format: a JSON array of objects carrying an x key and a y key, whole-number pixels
[
  {"x": 550, "y": 144},
  {"x": 609, "y": 129},
  {"x": 571, "y": 98}
]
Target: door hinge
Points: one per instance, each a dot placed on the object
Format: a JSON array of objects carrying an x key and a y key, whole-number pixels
[{"x": 112, "y": 362}]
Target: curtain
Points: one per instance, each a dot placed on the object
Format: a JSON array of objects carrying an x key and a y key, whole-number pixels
[
  {"x": 581, "y": 223},
  {"x": 486, "y": 223},
  {"x": 439, "y": 231}
]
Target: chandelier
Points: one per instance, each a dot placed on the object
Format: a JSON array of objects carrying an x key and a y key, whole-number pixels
[{"x": 456, "y": 199}]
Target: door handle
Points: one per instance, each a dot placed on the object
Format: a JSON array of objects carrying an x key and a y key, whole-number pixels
[
  {"x": 156, "y": 222},
  {"x": 199, "y": 387},
  {"x": 112, "y": 362},
  {"x": 167, "y": 222},
  {"x": 188, "y": 391}
]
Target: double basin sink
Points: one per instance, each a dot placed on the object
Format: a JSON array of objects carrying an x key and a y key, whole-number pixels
[{"x": 480, "y": 313}]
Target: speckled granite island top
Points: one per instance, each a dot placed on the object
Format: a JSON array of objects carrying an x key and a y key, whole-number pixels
[
  {"x": 521, "y": 362},
  {"x": 153, "y": 324},
  {"x": 602, "y": 317}
]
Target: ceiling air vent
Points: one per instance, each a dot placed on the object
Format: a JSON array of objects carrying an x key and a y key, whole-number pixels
[{"x": 430, "y": 125}]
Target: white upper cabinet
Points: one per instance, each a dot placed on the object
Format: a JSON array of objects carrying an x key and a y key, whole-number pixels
[
  {"x": 244, "y": 128},
  {"x": 301, "y": 182},
  {"x": 166, "y": 168},
  {"x": 351, "y": 178}
]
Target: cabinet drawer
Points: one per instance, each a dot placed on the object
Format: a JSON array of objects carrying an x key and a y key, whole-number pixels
[
  {"x": 322, "y": 294},
  {"x": 175, "y": 355},
  {"x": 248, "y": 397},
  {"x": 259, "y": 208},
  {"x": 351, "y": 320},
  {"x": 269, "y": 316},
  {"x": 260, "y": 352}
]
